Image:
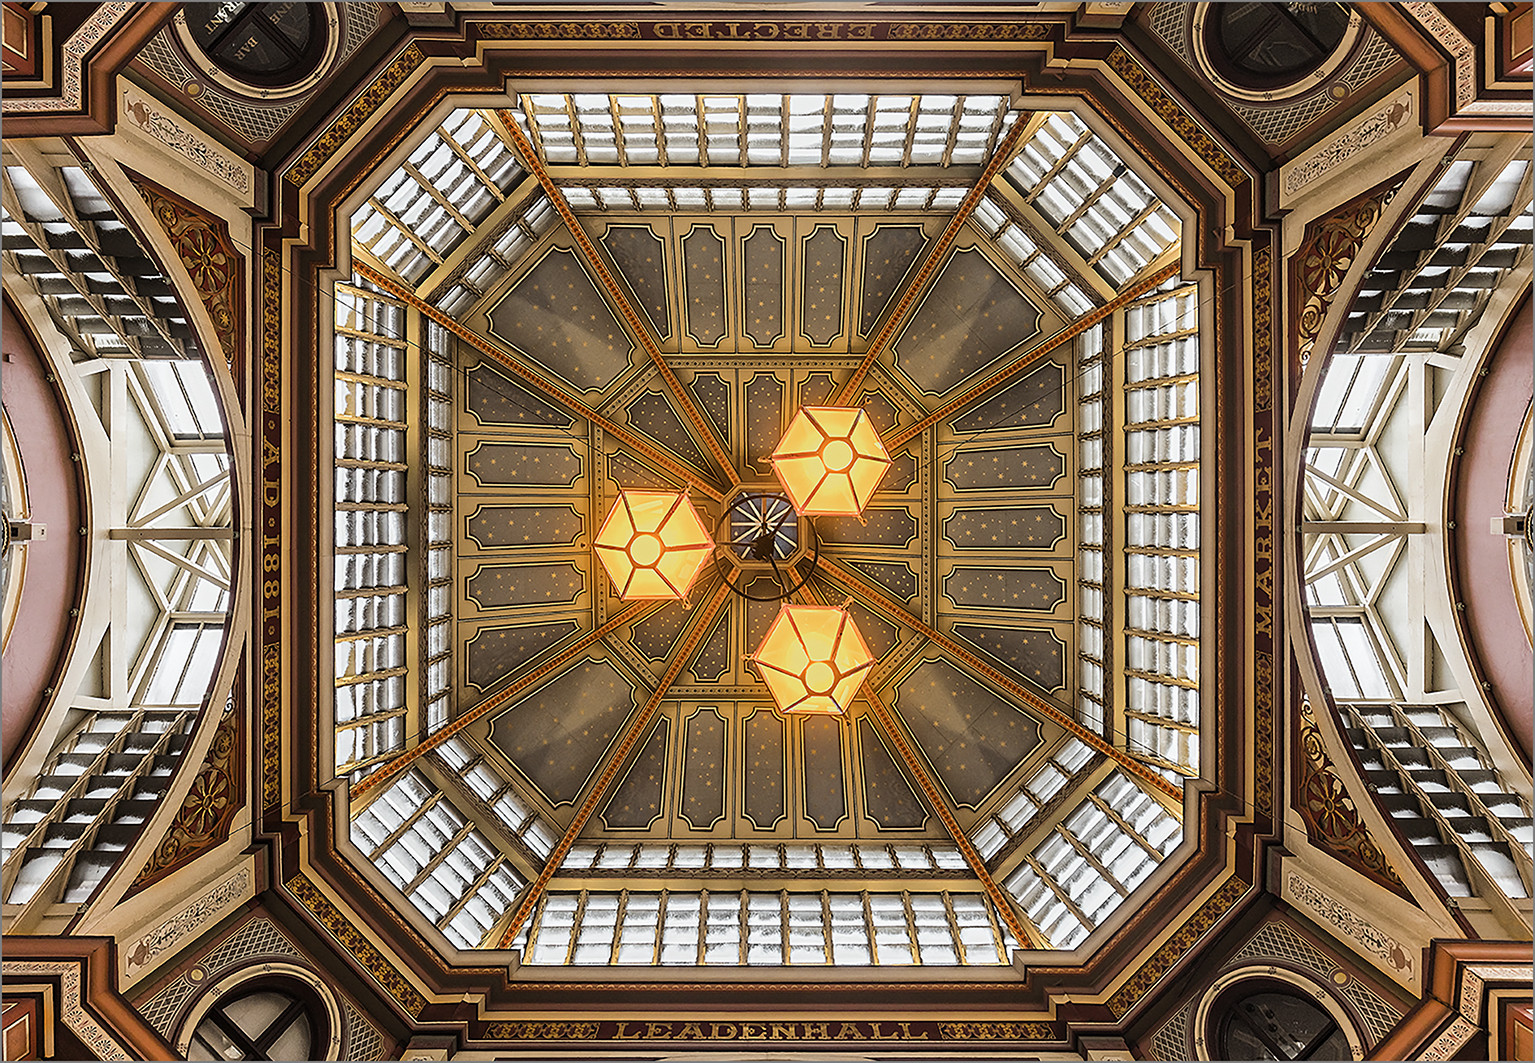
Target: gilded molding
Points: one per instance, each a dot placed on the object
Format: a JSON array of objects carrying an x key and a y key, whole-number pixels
[
  {"x": 1176, "y": 947},
  {"x": 72, "y": 1011},
  {"x": 357, "y": 943},
  {"x": 1263, "y": 530},
  {"x": 1392, "y": 115},
  {"x": 362, "y": 108},
  {"x": 1139, "y": 79},
  {"x": 71, "y": 97}
]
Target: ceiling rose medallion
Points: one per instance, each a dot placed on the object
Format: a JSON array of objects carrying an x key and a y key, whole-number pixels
[{"x": 652, "y": 544}]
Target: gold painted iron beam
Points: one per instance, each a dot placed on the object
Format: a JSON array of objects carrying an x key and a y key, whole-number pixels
[
  {"x": 407, "y": 757},
  {"x": 935, "y": 799},
  {"x": 935, "y": 258},
  {"x": 647, "y": 450},
  {"x": 1066, "y": 335},
  {"x": 637, "y": 325},
  {"x": 702, "y": 621},
  {"x": 834, "y": 571}
]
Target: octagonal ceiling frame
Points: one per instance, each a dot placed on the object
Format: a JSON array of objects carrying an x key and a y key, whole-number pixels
[{"x": 1218, "y": 898}]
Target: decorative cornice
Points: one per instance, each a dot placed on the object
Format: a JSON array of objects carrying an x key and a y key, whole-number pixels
[
  {"x": 358, "y": 944},
  {"x": 1177, "y": 947}
]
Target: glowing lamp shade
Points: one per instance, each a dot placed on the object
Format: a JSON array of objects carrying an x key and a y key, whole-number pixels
[
  {"x": 653, "y": 543},
  {"x": 813, "y": 659},
  {"x": 830, "y": 461}
]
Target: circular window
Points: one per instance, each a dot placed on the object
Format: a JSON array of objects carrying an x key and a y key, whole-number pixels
[
  {"x": 262, "y": 50},
  {"x": 1278, "y": 1024},
  {"x": 1270, "y": 51},
  {"x": 260, "y": 44},
  {"x": 263, "y": 1023},
  {"x": 1276, "y": 43},
  {"x": 263, "y": 1020}
]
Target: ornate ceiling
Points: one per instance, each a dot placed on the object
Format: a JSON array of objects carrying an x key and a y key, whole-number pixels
[
  {"x": 534, "y": 311},
  {"x": 483, "y": 267}
]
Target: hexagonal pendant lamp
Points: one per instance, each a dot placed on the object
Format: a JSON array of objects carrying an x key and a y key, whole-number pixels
[{"x": 653, "y": 543}]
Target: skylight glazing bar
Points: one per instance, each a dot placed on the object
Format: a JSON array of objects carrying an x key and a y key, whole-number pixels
[
  {"x": 437, "y": 524},
  {"x": 436, "y": 199},
  {"x": 760, "y": 928},
  {"x": 369, "y": 528},
  {"x": 1161, "y": 503},
  {"x": 1093, "y": 198},
  {"x": 1092, "y": 535},
  {"x": 438, "y": 860},
  {"x": 1092, "y": 861}
]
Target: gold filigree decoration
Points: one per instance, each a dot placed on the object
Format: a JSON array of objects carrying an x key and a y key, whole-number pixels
[
  {"x": 362, "y": 108},
  {"x": 1327, "y": 250},
  {"x": 217, "y": 269},
  {"x": 1177, "y": 946},
  {"x": 969, "y": 31},
  {"x": 358, "y": 943},
  {"x": 997, "y": 1031},
  {"x": 1263, "y": 530},
  {"x": 217, "y": 793},
  {"x": 1332, "y": 820},
  {"x": 542, "y": 31},
  {"x": 1138, "y": 78}
]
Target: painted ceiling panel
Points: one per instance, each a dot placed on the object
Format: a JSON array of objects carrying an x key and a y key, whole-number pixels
[
  {"x": 1031, "y": 589},
  {"x": 524, "y": 464},
  {"x": 491, "y": 526},
  {"x": 1035, "y": 654},
  {"x": 713, "y": 661},
  {"x": 888, "y": 799},
  {"x": 823, "y": 252},
  {"x": 763, "y": 285},
  {"x": 889, "y": 253},
  {"x": 971, "y": 735},
  {"x": 496, "y": 651},
  {"x": 655, "y": 635},
  {"x": 652, "y": 414},
  {"x": 640, "y": 256},
  {"x": 1035, "y": 399},
  {"x": 637, "y": 799},
  {"x": 825, "y": 786},
  {"x": 715, "y": 399},
  {"x": 526, "y": 586},
  {"x": 1036, "y": 466},
  {"x": 496, "y": 399},
  {"x": 557, "y": 733},
  {"x": 703, "y": 285},
  {"x": 703, "y": 769},
  {"x": 970, "y": 317},
  {"x": 897, "y": 578},
  {"x": 763, "y": 767},
  {"x": 1005, "y": 527},
  {"x": 555, "y": 314}
]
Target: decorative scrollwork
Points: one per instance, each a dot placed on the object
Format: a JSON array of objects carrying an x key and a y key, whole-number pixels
[{"x": 1332, "y": 820}]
